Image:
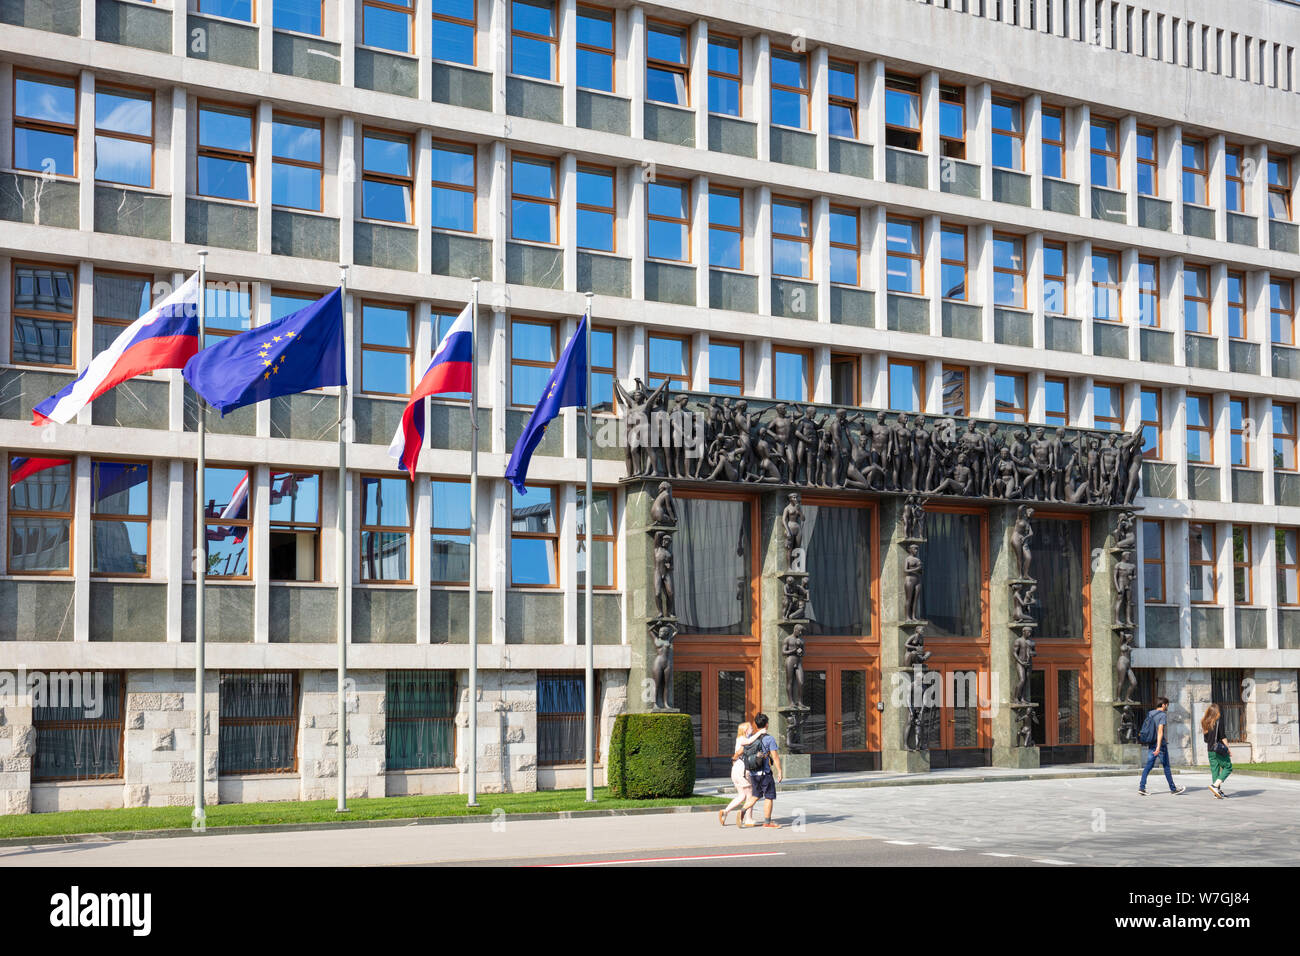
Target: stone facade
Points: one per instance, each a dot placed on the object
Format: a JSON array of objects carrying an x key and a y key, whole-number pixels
[
  {"x": 1271, "y": 717},
  {"x": 318, "y": 735},
  {"x": 158, "y": 749},
  {"x": 17, "y": 747}
]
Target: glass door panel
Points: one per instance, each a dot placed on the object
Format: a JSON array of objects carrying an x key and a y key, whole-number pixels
[
  {"x": 814, "y": 695},
  {"x": 731, "y": 709},
  {"x": 853, "y": 710},
  {"x": 687, "y": 699},
  {"x": 1038, "y": 695},
  {"x": 965, "y": 713},
  {"x": 1067, "y": 706}
]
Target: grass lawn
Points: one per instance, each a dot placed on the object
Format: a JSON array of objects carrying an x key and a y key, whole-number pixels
[
  {"x": 1279, "y": 766},
  {"x": 320, "y": 811}
]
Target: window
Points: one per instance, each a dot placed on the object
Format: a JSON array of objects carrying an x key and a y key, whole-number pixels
[
  {"x": 596, "y": 208},
  {"x": 1227, "y": 689},
  {"x": 1148, "y": 162},
  {"x": 533, "y": 354},
  {"x": 791, "y": 238},
  {"x": 790, "y": 378},
  {"x": 1107, "y": 287},
  {"x": 296, "y": 162},
  {"x": 1056, "y": 298},
  {"x": 449, "y": 532},
  {"x": 1284, "y": 436},
  {"x": 454, "y": 25},
  {"x": 294, "y": 517},
  {"x": 902, "y": 112},
  {"x": 1010, "y": 396},
  {"x": 1287, "y": 556},
  {"x": 1056, "y": 401},
  {"x": 1053, "y": 142},
  {"x": 956, "y": 390},
  {"x": 1200, "y": 560},
  {"x": 1149, "y": 292},
  {"x": 1281, "y": 307},
  {"x": 595, "y": 44},
  {"x": 386, "y": 24},
  {"x": 726, "y": 229},
  {"x": 1195, "y": 177},
  {"x": 668, "y": 220},
  {"x": 299, "y": 16},
  {"x": 726, "y": 367},
  {"x": 1200, "y": 428},
  {"x": 532, "y": 39},
  {"x": 1196, "y": 299},
  {"x": 230, "y": 9},
  {"x": 45, "y": 308},
  {"x": 724, "y": 75},
  {"x": 1242, "y": 431},
  {"x": 386, "y": 178},
  {"x": 1237, "y": 305},
  {"x": 603, "y": 538},
  {"x": 1009, "y": 271},
  {"x": 669, "y": 360},
  {"x": 1152, "y": 424},
  {"x": 45, "y": 123},
  {"x": 1153, "y": 561},
  {"x": 225, "y": 152},
  {"x": 40, "y": 515},
  {"x": 455, "y": 186},
  {"x": 420, "y": 719},
  {"x": 1279, "y": 187},
  {"x": 120, "y": 299},
  {"x": 604, "y": 368},
  {"x": 1108, "y": 407},
  {"x": 534, "y": 539},
  {"x": 843, "y": 98},
  {"x": 952, "y": 261},
  {"x": 534, "y": 205},
  {"x": 846, "y": 250},
  {"x": 952, "y": 121},
  {"x": 561, "y": 718},
  {"x": 441, "y": 322},
  {"x": 229, "y": 310},
  {"x": 1008, "y": 134},
  {"x": 124, "y": 136},
  {"x": 904, "y": 256},
  {"x": 789, "y": 89},
  {"x": 386, "y": 348},
  {"x": 1235, "y": 180},
  {"x": 257, "y": 727},
  {"x": 906, "y": 386},
  {"x": 666, "y": 64},
  {"x": 75, "y": 740},
  {"x": 1105, "y": 153},
  {"x": 845, "y": 375},
  {"x": 227, "y": 521},
  {"x": 385, "y": 529},
  {"x": 119, "y": 511}
]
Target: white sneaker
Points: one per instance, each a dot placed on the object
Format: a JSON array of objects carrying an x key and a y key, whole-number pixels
[{"x": 1214, "y": 789}]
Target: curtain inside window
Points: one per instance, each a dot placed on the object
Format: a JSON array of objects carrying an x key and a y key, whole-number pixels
[
  {"x": 258, "y": 722},
  {"x": 839, "y": 569},
  {"x": 561, "y": 706},
  {"x": 1058, "y": 568},
  {"x": 711, "y": 572},
  {"x": 950, "y": 596},
  {"x": 81, "y": 738},
  {"x": 419, "y": 719}
]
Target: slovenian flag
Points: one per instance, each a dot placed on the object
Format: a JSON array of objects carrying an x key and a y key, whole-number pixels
[
  {"x": 23, "y": 468},
  {"x": 452, "y": 370},
  {"x": 164, "y": 337},
  {"x": 236, "y": 509}
]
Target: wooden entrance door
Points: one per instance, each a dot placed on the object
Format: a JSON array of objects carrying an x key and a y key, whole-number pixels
[{"x": 843, "y": 728}]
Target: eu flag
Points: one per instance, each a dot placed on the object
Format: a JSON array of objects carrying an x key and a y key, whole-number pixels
[
  {"x": 301, "y": 351},
  {"x": 566, "y": 386}
]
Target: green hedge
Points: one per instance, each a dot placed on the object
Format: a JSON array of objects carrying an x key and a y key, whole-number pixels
[{"x": 652, "y": 755}]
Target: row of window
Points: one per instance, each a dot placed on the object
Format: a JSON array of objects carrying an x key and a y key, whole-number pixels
[
  {"x": 258, "y": 724},
  {"x": 1202, "y": 564},
  {"x": 121, "y": 510}
]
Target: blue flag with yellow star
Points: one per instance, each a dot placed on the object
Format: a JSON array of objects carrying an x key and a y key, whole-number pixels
[
  {"x": 566, "y": 386},
  {"x": 301, "y": 351}
]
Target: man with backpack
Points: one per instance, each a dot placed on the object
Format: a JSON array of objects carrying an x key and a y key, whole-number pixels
[
  {"x": 1153, "y": 735},
  {"x": 761, "y": 759}
]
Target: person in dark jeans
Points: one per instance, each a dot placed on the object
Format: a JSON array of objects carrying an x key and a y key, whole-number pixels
[
  {"x": 1160, "y": 748},
  {"x": 762, "y": 782}
]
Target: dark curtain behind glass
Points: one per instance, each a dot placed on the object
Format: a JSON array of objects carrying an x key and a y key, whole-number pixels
[
  {"x": 1058, "y": 568},
  {"x": 419, "y": 722},
  {"x": 839, "y": 569},
  {"x": 687, "y": 686},
  {"x": 711, "y": 573},
  {"x": 258, "y": 727},
  {"x": 950, "y": 596},
  {"x": 561, "y": 716}
]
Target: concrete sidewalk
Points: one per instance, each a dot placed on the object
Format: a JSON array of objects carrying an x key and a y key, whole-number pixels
[{"x": 880, "y": 778}]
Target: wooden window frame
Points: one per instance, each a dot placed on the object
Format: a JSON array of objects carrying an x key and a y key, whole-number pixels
[
  {"x": 601, "y": 13},
  {"x": 684, "y": 186},
  {"x": 1022, "y": 412},
  {"x": 1153, "y": 294},
  {"x": 1117, "y": 287},
  {"x": 46, "y": 126},
  {"x": 1022, "y": 273},
  {"x": 553, "y": 327},
  {"x": 1208, "y": 532},
  {"x": 805, "y": 92},
  {"x": 963, "y": 262},
  {"x": 552, "y": 536},
  {"x": 918, "y": 370},
  {"x": 806, "y": 206},
  {"x": 844, "y": 102},
  {"x": 1057, "y": 112},
  {"x": 1118, "y": 422},
  {"x": 681, "y": 382},
  {"x": 319, "y": 165},
  {"x": 1283, "y": 190},
  {"x": 1057, "y": 419},
  {"x": 391, "y": 179},
  {"x": 408, "y": 530},
  {"x": 252, "y": 12},
  {"x": 297, "y": 526},
  {"x": 611, "y": 210},
  {"x": 1064, "y": 278},
  {"x": 919, "y": 257},
  {"x": 854, "y": 361},
  {"x": 554, "y": 202},
  {"x": 1017, "y": 137},
  {"x": 439, "y": 529},
  {"x": 610, "y": 370},
  {"x": 1205, "y": 429},
  {"x": 390, "y": 720},
  {"x": 908, "y": 86},
  {"x": 37, "y": 315},
  {"x": 1238, "y": 304},
  {"x": 119, "y": 324},
  {"x": 965, "y": 372},
  {"x": 611, "y": 538},
  {"x": 739, "y": 384},
  {"x": 1112, "y": 154},
  {"x": 218, "y": 522},
  {"x": 1158, "y": 422},
  {"x": 134, "y": 92},
  {"x": 738, "y": 230},
  {"x": 118, "y": 723},
  {"x": 1288, "y": 436},
  {"x": 1206, "y": 300},
  {"x": 731, "y": 42},
  {"x": 472, "y": 24},
  {"x": 855, "y": 247},
  {"x": 1286, "y": 569},
  {"x": 1157, "y": 527},
  {"x": 146, "y": 519},
  {"x": 1202, "y": 172},
  {"x": 553, "y": 39},
  {"x": 1243, "y": 565},
  {"x": 1238, "y": 181},
  {"x": 1152, "y": 164},
  {"x": 951, "y": 147},
  {"x": 543, "y": 718},
  {"x": 408, "y": 351},
  {"x": 289, "y": 721},
  {"x": 1287, "y": 313},
  {"x": 1243, "y": 432},
  {"x": 248, "y": 158},
  {"x": 807, "y": 356},
  {"x": 68, "y": 515},
  {"x": 668, "y": 66},
  {"x": 470, "y": 150}
]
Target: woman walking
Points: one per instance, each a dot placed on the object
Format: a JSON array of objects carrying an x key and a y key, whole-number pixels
[
  {"x": 739, "y": 776},
  {"x": 1217, "y": 745}
]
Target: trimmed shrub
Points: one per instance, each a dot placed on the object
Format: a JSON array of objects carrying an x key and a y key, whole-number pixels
[{"x": 651, "y": 755}]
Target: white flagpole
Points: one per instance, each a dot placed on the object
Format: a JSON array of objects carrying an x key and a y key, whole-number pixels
[
  {"x": 200, "y": 560},
  {"x": 591, "y": 567},
  {"x": 343, "y": 577},
  {"x": 472, "y": 785}
]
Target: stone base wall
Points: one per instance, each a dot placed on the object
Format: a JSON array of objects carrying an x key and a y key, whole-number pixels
[
  {"x": 318, "y": 735},
  {"x": 1188, "y": 691},
  {"x": 1272, "y": 718},
  {"x": 507, "y": 731},
  {"x": 17, "y": 747},
  {"x": 158, "y": 746}
]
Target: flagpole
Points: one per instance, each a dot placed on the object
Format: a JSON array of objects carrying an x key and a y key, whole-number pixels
[
  {"x": 472, "y": 786},
  {"x": 200, "y": 560},
  {"x": 342, "y": 565},
  {"x": 591, "y": 567}
]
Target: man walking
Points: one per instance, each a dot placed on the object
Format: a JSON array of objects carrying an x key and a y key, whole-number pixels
[
  {"x": 761, "y": 761},
  {"x": 1153, "y": 735}
]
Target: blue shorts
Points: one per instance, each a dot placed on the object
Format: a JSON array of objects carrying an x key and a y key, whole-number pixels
[{"x": 764, "y": 785}]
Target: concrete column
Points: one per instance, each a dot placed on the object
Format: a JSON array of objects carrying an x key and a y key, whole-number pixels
[
  {"x": 498, "y": 60},
  {"x": 821, "y": 255},
  {"x": 86, "y": 137},
  {"x": 699, "y": 80},
  {"x": 763, "y": 101},
  {"x": 347, "y": 195},
  {"x": 635, "y": 73},
  {"x": 259, "y": 566},
  {"x": 180, "y": 35},
  {"x": 347, "y": 42},
  {"x": 979, "y": 257},
  {"x": 173, "y": 528},
  {"x": 496, "y": 396},
  {"x": 81, "y": 544},
  {"x": 1034, "y": 265},
  {"x": 700, "y": 238},
  {"x": 264, "y": 19},
  {"x": 568, "y": 225},
  {"x": 1033, "y": 120},
  {"x": 1078, "y": 136},
  {"x": 930, "y": 126},
  {"x": 424, "y": 49},
  {"x": 500, "y": 552},
  {"x": 877, "y": 277},
  {"x": 262, "y": 165},
  {"x": 636, "y": 211},
  {"x": 84, "y": 329},
  {"x": 261, "y": 314},
  {"x": 179, "y": 157},
  {"x": 423, "y": 201},
  {"x": 762, "y": 220},
  {"x": 1128, "y": 270},
  {"x": 872, "y": 93},
  {"x": 568, "y": 52},
  {"x": 1128, "y": 166},
  {"x": 819, "y": 104},
  {"x": 422, "y": 556},
  {"x": 1081, "y": 274},
  {"x": 567, "y": 500},
  {"x": 499, "y": 215},
  {"x": 894, "y": 756},
  {"x": 1216, "y": 191},
  {"x": 979, "y": 134},
  {"x": 1003, "y": 673},
  {"x": 1171, "y": 172}
]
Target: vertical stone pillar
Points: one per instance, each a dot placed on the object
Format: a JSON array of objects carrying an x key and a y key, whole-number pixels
[
  {"x": 774, "y": 699},
  {"x": 895, "y": 679},
  {"x": 1106, "y": 716},
  {"x": 639, "y": 599},
  {"x": 17, "y": 748},
  {"x": 1005, "y": 723}
]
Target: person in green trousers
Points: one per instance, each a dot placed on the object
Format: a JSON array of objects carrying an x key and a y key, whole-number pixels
[{"x": 1217, "y": 745}]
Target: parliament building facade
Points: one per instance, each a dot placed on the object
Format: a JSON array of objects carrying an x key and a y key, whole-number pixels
[{"x": 897, "y": 222}]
